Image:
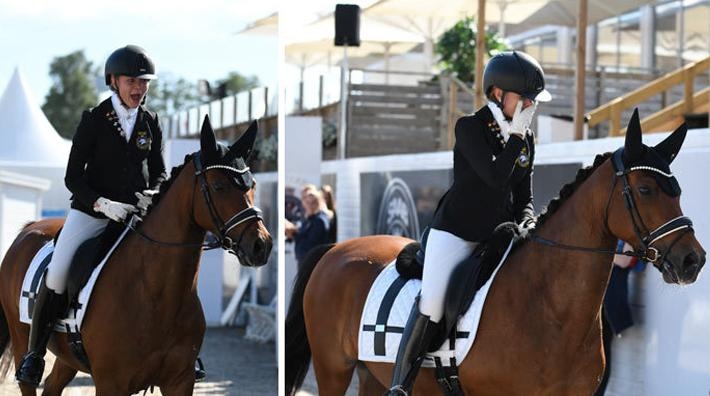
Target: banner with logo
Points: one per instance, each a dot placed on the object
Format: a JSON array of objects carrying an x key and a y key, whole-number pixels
[
  {"x": 403, "y": 202},
  {"x": 400, "y": 203}
]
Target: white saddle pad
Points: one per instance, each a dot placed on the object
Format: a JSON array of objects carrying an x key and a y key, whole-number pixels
[
  {"x": 33, "y": 279},
  {"x": 386, "y": 312}
]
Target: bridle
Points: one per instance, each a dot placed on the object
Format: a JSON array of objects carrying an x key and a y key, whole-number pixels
[
  {"x": 244, "y": 182},
  {"x": 646, "y": 252}
]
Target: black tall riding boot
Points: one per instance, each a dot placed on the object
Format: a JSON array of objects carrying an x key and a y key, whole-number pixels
[
  {"x": 47, "y": 307},
  {"x": 415, "y": 341}
]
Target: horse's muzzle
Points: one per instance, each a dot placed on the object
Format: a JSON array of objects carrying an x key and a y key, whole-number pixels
[
  {"x": 684, "y": 269},
  {"x": 254, "y": 254}
]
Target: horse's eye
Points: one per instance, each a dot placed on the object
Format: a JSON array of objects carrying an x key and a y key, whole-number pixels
[
  {"x": 218, "y": 186},
  {"x": 644, "y": 190}
]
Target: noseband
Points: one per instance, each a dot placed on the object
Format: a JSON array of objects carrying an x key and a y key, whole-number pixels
[{"x": 646, "y": 252}]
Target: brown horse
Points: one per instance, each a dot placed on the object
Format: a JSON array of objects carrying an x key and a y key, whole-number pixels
[
  {"x": 145, "y": 324},
  {"x": 540, "y": 331}
]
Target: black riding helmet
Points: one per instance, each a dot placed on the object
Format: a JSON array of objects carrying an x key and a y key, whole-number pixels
[
  {"x": 131, "y": 61},
  {"x": 518, "y": 72}
]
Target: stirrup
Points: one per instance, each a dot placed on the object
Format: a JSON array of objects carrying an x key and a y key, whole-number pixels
[
  {"x": 200, "y": 373},
  {"x": 396, "y": 390}
]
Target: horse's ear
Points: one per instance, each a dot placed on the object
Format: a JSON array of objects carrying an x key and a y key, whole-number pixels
[
  {"x": 242, "y": 147},
  {"x": 633, "y": 147},
  {"x": 669, "y": 147},
  {"x": 208, "y": 142}
]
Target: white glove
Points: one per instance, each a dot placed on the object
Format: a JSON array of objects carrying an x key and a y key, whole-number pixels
[
  {"x": 145, "y": 199},
  {"x": 115, "y": 211},
  {"x": 522, "y": 119}
]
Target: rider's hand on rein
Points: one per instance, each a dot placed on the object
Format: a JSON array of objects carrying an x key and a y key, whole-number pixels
[
  {"x": 116, "y": 211},
  {"x": 144, "y": 200}
]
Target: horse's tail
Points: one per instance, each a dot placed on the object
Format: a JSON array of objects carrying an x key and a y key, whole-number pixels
[
  {"x": 298, "y": 352},
  {"x": 6, "y": 358}
]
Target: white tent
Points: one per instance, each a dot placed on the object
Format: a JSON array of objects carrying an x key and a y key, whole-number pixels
[
  {"x": 31, "y": 146},
  {"x": 28, "y": 137}
]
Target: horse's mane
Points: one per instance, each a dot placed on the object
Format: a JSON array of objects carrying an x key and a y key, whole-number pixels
[
  {"x": 167, "y": 183},
  {"x": 567, "y": 190}
]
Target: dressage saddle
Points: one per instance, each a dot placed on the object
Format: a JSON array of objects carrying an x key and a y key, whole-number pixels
[{"x": 468, "y": 276}]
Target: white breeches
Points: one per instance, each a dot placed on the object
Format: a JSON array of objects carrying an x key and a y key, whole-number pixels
[
  {"x": 443, "y": 252},
  {"x": 77, "y": 228}
]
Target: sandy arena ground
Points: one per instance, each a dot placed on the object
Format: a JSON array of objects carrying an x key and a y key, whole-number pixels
[{"x": 235, "y": 366}]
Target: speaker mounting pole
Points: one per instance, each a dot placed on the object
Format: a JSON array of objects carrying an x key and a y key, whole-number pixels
[
  {"x": 347, "y": 33},
  {"x": 344, "y": 88}
]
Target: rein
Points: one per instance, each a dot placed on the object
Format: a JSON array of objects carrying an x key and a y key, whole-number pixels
[
  {"x": 222, "y": 239},
  {"x": 647, "y": 252},
  {"x": 132, "y": 225}
]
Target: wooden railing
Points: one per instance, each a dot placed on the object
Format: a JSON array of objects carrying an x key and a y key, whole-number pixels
[
  {"x": 612, "y": 111},
  {"x": 602, "y": 83},
  {"x": 460, "y": 102},
  {"x": 390, "y": 119}
]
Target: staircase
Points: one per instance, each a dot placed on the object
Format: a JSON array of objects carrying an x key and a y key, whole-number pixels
[{"x": 693, "y": 107}]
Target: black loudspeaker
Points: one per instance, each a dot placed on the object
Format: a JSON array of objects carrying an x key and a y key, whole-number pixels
[{"x": 347, "y": 25}]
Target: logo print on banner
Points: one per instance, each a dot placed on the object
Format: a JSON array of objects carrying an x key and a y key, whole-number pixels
[{"x": 398, "y": 213}]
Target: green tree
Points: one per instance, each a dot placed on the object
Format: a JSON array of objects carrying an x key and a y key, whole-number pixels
[
  {"x": 169, "y": 95},
  {"x": 236, "y": 82},
  {"x": 457, "y": 49},
  {"x": 72, "y": 91}
]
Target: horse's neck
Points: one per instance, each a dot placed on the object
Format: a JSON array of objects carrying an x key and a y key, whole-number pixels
[
  {"x": 575, "y": 281},
  {"x": 171, "y": 221}
]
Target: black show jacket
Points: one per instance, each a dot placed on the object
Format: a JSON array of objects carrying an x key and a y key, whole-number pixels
[
  {"x": 492, "y": 181},
  {"x": 103, "y": 164}
]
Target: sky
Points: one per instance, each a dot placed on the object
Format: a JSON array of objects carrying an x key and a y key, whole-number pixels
[{"x": 192, "y": 40}]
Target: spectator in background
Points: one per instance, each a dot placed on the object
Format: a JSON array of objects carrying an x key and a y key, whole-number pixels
[
  {"x": 313, "y": 229},
  {"x": 329, "y": 199},
  {"x": 616, "y": 311}
]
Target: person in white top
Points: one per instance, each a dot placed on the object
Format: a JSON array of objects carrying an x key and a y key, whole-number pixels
[{"x": 115, "y": 164}]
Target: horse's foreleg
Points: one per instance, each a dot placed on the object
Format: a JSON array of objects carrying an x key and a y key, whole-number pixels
[
  {"x": 368, "y": 384},
  {"x": 183, "y": 388},
  {"x": 58, "y": 379},
  {"x": 332, "y": 374},
  {"x": 28, "y": 390},
  {"x": 19, "y": 335}
]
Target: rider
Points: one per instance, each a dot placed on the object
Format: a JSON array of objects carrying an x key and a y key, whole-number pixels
[
  {"x": 114, "y": 164},
  {"x": 493, "y": 163}
]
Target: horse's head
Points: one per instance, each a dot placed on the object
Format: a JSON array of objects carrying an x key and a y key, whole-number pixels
[
  {"x": 646, "y": 213},
  {"x": 224, "y": 202}
]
